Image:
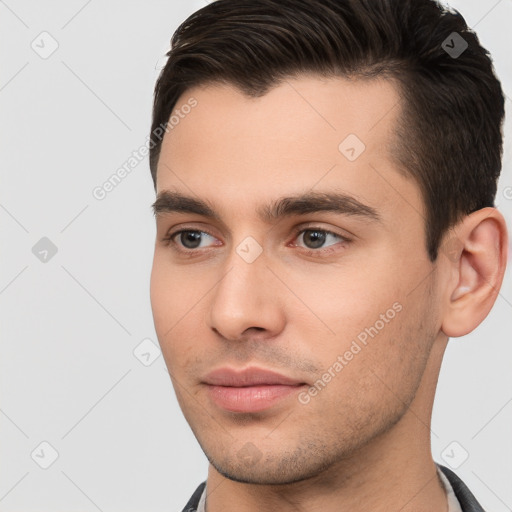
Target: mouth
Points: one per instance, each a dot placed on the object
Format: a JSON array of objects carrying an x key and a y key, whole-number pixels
[{"x": 249, "y": 390}]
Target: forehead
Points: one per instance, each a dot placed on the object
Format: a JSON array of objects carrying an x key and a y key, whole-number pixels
[
  {"x": 306, "y": 108},
  {"x": 308, "y": 133}
]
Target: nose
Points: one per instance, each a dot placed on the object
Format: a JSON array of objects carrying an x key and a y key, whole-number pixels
[{"x": 246, "y": 301}]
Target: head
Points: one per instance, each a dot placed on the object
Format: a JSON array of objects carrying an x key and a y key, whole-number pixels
[{"x": 325, "y": 210}]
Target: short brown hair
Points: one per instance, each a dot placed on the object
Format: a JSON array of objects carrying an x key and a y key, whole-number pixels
[{"x": 449, "y": 138}]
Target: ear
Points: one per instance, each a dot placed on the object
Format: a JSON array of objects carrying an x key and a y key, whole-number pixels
[{"x": 476, "y": 250}]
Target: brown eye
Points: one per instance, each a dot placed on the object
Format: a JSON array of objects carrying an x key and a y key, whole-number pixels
[
  {"x": 190, "y": 239},
  {"x": 315, "y": 238}
]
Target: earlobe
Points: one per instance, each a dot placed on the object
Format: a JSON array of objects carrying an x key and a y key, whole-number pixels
[{"x": 477, "y": 269}]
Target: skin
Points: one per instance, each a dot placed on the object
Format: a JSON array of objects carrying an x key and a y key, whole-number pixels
[{"x": 295, "y": 312}]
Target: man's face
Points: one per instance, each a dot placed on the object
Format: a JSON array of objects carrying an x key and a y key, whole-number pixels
[{"x": 344, "y": 313}]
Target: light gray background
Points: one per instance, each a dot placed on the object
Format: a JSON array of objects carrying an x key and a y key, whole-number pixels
[{"x": 69, "y": 376}]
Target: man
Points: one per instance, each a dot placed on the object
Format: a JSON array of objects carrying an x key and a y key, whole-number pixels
[{"x": 325, "y": 222}]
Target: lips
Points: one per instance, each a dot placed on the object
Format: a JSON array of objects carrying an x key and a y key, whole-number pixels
[
  {"x": 248, "y": 377},
  {"x": 249, "y": 390}
]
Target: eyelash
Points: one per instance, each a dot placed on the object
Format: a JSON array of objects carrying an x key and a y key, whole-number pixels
[{"x": 169, "y": 240}]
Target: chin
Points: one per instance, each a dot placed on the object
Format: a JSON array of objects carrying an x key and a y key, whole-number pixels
[
  {"x": 261, "y": 476},
  {"x": 274, "y": 469}
]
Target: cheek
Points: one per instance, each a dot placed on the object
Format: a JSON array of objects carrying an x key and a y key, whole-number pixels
[
  {"x": 344, "y": 302},
  {"x": 373, "y": 381},
  {"x": 176, "y": 305},
  {"x": 173, "y": 291},
  {"x": 369, "y": 318}
]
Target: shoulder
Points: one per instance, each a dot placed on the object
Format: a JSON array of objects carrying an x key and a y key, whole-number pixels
[
  {"x": 193, "y": 502},
  {"x": 466, "y": 499}
]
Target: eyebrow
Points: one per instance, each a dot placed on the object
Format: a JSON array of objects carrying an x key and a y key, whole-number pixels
[{"x": 311, "y": 202}]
